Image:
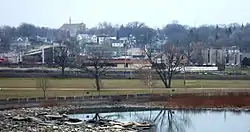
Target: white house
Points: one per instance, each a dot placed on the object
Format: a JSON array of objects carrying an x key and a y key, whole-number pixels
[
  {"x": 81, "y": 37},
  {"x": 103, "y": 39},
  {"x": 117, "y": 44},
  {"x": 85, "y": 38},
  {"x": 94, "y": 38}
]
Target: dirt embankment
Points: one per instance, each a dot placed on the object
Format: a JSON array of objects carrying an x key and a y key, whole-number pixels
[
  {"x": 204, "y": 100},
  {"x": 191, "y": 100},
  {"x": 209, "y": 101}
]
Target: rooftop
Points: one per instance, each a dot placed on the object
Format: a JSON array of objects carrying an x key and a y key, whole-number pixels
[{"x": 73, "y": 28}]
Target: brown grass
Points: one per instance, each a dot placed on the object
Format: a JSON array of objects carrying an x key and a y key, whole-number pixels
[
  {"x": 27, "y": 87},
  {"x": 120, "y": 84}
]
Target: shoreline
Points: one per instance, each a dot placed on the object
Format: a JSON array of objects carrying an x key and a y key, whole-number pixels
[
  {"x": 36, "y": 118},
  {"x": 67, "y": 109},
  {"x": 175, "y": 100}
]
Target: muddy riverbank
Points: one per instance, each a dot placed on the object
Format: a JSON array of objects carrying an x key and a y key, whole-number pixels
[
  {"x": 56, "y": 118},
  {"x": 233, "y": 100},
  {"x": 39, "y": 117},
  {"x": 182, "y": 100}
]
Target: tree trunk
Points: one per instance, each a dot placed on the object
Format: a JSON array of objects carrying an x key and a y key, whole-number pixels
[
  {"x": 166, "y": 84},
  {"x": 169, "y": 82},
  {"x": 44, "y": 94},
  {"x": 188, "y": 58},
  {"x": 97, "y": 82},
  {"x": 63, "y": 69}
]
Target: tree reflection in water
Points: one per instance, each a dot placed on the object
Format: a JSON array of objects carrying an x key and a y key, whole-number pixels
[
  {"x": 96, "y": 117},
  {"x": 164, "y": 120},
  {"x": 116, "y": 116},
  {"x": 167, "y": 121}
]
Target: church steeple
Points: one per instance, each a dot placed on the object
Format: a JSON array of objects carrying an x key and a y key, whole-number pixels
[{"x": 70, "y": 20}]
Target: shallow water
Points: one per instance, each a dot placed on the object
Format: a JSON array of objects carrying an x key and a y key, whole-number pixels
[{"x": 182, "y": 121}]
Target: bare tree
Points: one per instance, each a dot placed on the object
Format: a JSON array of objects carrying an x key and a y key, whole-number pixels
[
  {"x": 96, "y": 65},
  {"x": 42, "y": 83},
  {"x": 167, "y": 63},
  {"x": 146, "y": 73},
  {"x": 63, "y": 58}
]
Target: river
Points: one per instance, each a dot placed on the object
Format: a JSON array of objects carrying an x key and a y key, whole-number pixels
[{"x": 180, "y": 121}]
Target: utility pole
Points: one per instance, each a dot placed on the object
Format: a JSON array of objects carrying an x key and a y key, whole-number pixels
[
  {"x": 53, "y": 54},
  {"x": 125, "y": 62},
  {"x": 43, "y": 55},
  {"x": 184, "y": 75}
]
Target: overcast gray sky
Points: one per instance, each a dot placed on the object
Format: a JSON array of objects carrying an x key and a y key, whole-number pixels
[{"x": 155, "y": 13}]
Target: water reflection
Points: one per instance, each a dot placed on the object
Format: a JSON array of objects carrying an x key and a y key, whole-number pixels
[
  {"x": 181, "y": 121},
  {"x": 166, "y": 120}
]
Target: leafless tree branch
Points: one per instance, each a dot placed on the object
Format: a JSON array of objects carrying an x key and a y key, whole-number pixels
[
  {"x": 63, "y": 58},
  {"x": 167, "y": 63},
  {"x": 97, "y": 65}
]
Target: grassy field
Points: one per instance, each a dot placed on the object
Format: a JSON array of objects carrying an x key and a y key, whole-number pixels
[
  {"x": 28, "y": 87},
  {"x": 119, "y": 83}
]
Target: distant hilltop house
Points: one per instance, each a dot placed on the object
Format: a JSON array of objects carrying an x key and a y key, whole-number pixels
[
  {"x": 19, "y": 43},
  {"x": 128, "y": 40},
  {"x": 73, "y": 29},
  {"x": 105, "y": 39},
  {"x": 22, "y": 41},
  {"x": 85, "y": 38},
  {"x": 42, "y": 39}
]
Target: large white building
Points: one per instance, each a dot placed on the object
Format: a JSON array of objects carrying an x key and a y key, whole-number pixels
[
  {"x": 230, "y": 56},
  {"x": 73, "y": 28},
  {"x": 233, "y": 56},
  {"x": 213, "y": 56}
]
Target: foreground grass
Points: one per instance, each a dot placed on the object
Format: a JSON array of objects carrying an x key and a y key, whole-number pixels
[{"x": 28, "y": 88}]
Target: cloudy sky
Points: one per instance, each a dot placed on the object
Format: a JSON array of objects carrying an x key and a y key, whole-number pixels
[{"x": 155, "y": 13}]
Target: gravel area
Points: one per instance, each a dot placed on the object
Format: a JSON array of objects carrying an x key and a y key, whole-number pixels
[
  {"x": 55, "y": 119},
  {"x": 52, "y": 119}
]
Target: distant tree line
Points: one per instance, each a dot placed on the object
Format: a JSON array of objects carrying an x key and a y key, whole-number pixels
[
  {"x": 8, "y": 34},
  {"x": 216, "y": 36},
  {"x": 182, "y": 35}
]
